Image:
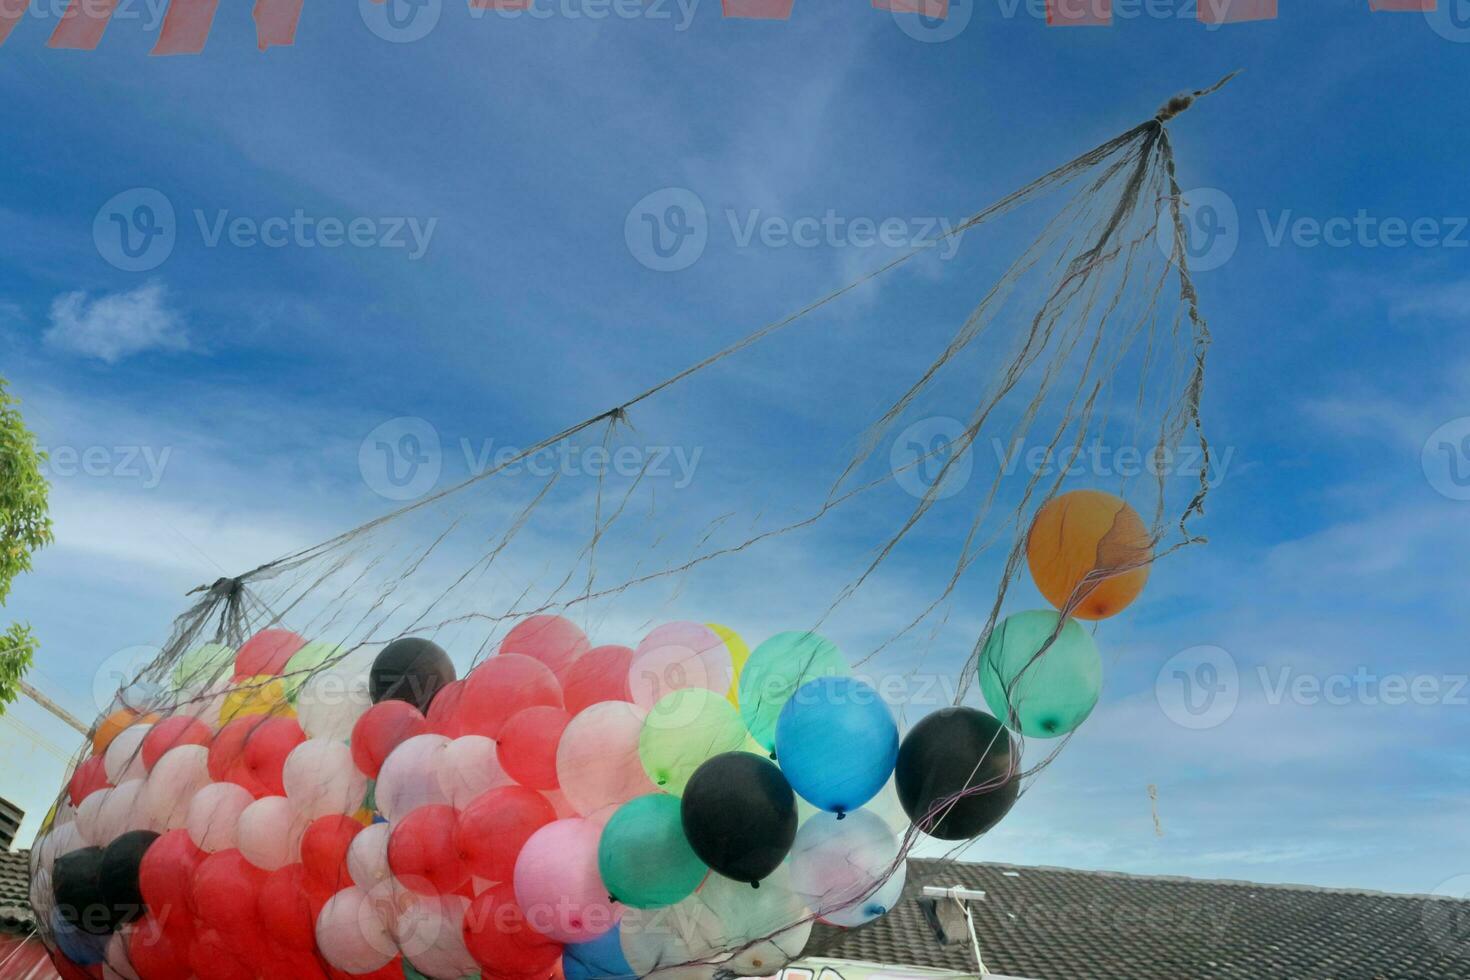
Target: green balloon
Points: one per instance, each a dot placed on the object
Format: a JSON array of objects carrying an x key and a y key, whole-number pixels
[
  {"x": 1050, "y": 695},
  {"x": 643, "y": 856},
  {"x": 202, "y": 666},
  {"x": 303, "y": 662},
  {"x": 773, "y": 673},
  {"x": 685, "y": 728}
]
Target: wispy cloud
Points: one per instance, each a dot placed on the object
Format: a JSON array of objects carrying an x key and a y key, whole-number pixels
[{"x": 116, "y": 325}]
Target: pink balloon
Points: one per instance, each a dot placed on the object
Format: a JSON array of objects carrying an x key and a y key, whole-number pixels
[
  {"x": 269, "y": 833},
  {"x": 409, "y": 778},
  {"x": 351, "y": 934},
  {"x": 558, "y": 886},
  {"x": 597, "y": 762},
  {"x": 321, "y": 779},
  {"x": 214, "y": 815},
  {"x": 554, "y": 640},
  {"x": 177, "y": 776},
  {"x": 527, "y": 746},
  {"x": 467, "y": 768},
  {"x": 367, "y": 856},
  {"x": 600, "y": 674},
  {"x": 504, "y": 686},
  {"x": 676, "y": 656},
  {"x": 430, "y": 931}
]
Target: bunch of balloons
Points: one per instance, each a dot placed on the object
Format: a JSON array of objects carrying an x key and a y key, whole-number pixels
[{"x": 679, "y": 807}]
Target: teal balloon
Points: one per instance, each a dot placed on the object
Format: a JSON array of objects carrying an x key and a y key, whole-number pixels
[
  {"x": 1043, "y": 696},
  {"x": 836, "y": 742},
  {"x": 644, "y": 858},
  {"x": 775, "y": 670}
]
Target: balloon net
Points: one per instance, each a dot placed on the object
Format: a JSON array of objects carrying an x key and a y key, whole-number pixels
[{"x": 661, "y": 692}]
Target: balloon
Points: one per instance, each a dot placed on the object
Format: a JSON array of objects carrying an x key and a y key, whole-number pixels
[
  {"x": 305, "y": 662},
  {"x": 118, "y": 874},
  {"x": 468, "y": 767},
  {"x": 214, "y": 815},
  {"x": 677, "y": 656},
  {"x": 430, "y": 932},
  {"x": 226, "y": 888},
  {"x": 205, "y": 705},
  {"x": 775, "y": 670},
  {"x": 557, "y": 884},
  {"x": 324, "y": 848},
  {"x": 254, "y": 696},
  {"x": 77, "y": 886},
  {"x": 410, "y": 669},
  {"x": 171, "y": 733},
  {"x": 598, "y": 959},
  {"x": 554, "y": 640},
  {"x": 166, "y": 874},
  {"x": 527, "y": 746},
  {"x": 382, "y": 729},
  {"x": 351, "y": 935},
  {"x": 952, "y": 752},
  {"x": 266, "y": 653},
  {"x": 79, "y": 945},
  {"x": 180, "y": 774},
  {"x": 739, "y": 815},
  {"x": 113, "y": 725},
  {"x": 89, "y": 777},
  {"x": 502, "y": 687},
  {"x": 288, "y": 905},
  {"x": 837, "y": 863},
  {"x": 501, "y": 940},
  {"x": 124, "y": 757},
  {"x": 269, "y": 833},
  {"x": 212, "y": 957},
  {"x": 443, "y": 715},
  {"x": 367, "y": 856},
  {"x": 320, "y": 778},
  {"x": 331, "y": 700},
  {"x": 202, "y": 667},
  {"x": 600, "y": 674},
  {"x": 495, "y": 827},
  {"x": 597, "y": 760},
  {"x": 764, "y": 929},
  {"x": 663, "y": 940},
  {"x": 121, "y": 810},
  {"x": 1045, "y": 686},
  {"x": 1091, "y": 549},
  {"x": 739, "y": 654},
  {"x": 424, "y": 853},
  {"x": 685, "y": 728},
  {"x": 252, "y": 751},
  {"x": 876, "y": 903},
  {"x": 837, "y": 742},
  {"x": 409, "y": 778},
  {"x": 643, "y": 857},
  {"x": 154, "y": 953}
]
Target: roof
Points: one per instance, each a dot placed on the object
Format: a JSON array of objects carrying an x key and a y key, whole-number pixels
[
  {"x": 15, "y": 892},
  {"x": 1058, "y": 924}
]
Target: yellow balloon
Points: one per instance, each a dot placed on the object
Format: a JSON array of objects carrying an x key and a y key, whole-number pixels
[
  {"x": 739, "y": 653},
  {"x": 262, "y": 695}
]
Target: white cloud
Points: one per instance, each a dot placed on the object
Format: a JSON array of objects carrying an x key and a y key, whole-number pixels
[{"x": 116, "y": 325}]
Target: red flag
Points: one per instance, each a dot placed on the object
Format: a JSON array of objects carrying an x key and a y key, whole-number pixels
[
  {"x": 82, "y": 24},
  {"x": 1233, "y": 11},
  {"x": 1079, "y": 13},
  {"x": 185, "y": 27},
  {"x": 757, "y": 9},
  {"x": 1418, "y": 6},
  {"x": 11, "y": 11},
  {"x": 935, "y": 9},
  {"x": 275, "y": 22}
]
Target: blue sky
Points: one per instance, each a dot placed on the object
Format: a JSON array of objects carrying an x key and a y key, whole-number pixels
[{"x": 259, "y": 371}]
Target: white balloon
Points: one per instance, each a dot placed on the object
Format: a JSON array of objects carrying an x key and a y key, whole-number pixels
[
  {"x": 60, "y": 840},
  {"x": 269, "y": 833},
  {"x": 764, "y": 928},
  {"x": 89, "y": 815},
  {"x": 431, "y": 934},
  {"x": 409, "y": 778},
  {"x": 877, "y": 903},
  {"x": 321, "y": 779},
  {"x": 124, "y": 757},
  {"x": 214, "y": 815},
  {"x": 836, "y": 864},
  {"x": 367, "y": 856},
  {"x": 334, "y": 697},
  {"x": 469, "y": 767},
  {"x": 671, "y": 942},
  {"x": 177, "y": 776},
  {"x": 122, "y": 810},
  {"x": 351, "y": 935},
  {"x": 206, "y": 704}
]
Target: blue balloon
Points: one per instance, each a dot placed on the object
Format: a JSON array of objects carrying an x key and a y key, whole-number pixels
[
  {"x": 598, "y": 959},
  {"x": 836, "y": 741},
  {"x": 82, "y": 948}
]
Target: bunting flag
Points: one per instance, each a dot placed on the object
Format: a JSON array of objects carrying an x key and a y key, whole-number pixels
[
  {"x": 185, "y": 27},
  {"x": 1234, "y": 11},
  {"x": 1079, "y": 13},
  {"x": 275, "y": 22},
  {"x": 757, "y": 9},
  {"x": 1408, "y": 6},
  {"x": 82, "y": 24},
  {"x": 933, "y": 9},
  {"x": 11, "y": 11}
]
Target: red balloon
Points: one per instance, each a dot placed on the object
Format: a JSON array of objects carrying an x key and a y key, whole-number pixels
[
  {"x": 288, "y": 904},
  {"x": 266, "y": 653},
  {"x": 324, "y": 850},
  {"x": 68, "y": 970},
  {"x": 601, "y": 674},
  {"x": 212, "y": 958},
  {"x": 380, "y": 730},
  {"x": 158, "y": 952},
  {"x": 500, "y": 939},
  {"x": 527, "y": 746},
  {"x": 554, "y": 640},
  {"x": 171, "y": 732},
  {"x": 226, "y": 890},
  {"x": 496, "y": 825},
  {"x": 166, "y": 876},
  {"x": 298, "y": 964},
  {"x": 252, "y": 752},
  {"x": 444, "y": 718},
  {"x": 391, "y": 971},
  {"x": 90, "y": 776},
  {"x": 504, "y": 686},
  {"x": 423, "y": 850}
]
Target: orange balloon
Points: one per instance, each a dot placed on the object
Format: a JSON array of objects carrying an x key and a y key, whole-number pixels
[
  {"x": 113, "y": 725},
  {"x": 1090, "y": 548}
]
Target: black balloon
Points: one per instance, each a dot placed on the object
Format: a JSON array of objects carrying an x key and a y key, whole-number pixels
[
  {"x": 956, "y": 773},
  {"x": 77, "y": 884},
  {"x": 739, "y": 815},
  {"x": 411, "y": 670},
  {"x": 118, "y": 877}
]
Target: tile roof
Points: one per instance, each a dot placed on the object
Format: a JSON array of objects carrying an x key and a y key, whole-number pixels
[
  {"x": 1056, "y": 924},
  {"x": 15, "y": 891}
]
